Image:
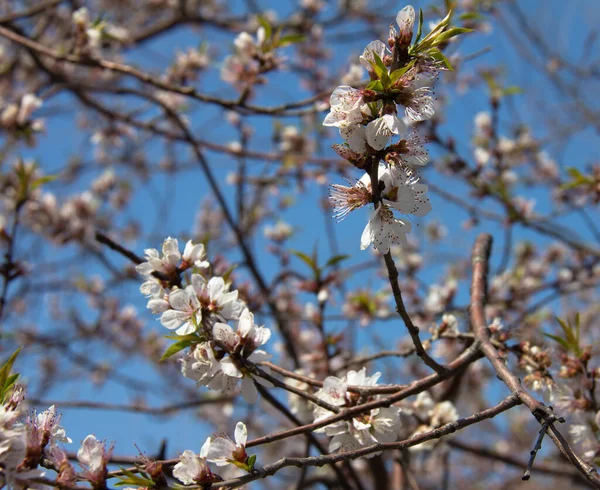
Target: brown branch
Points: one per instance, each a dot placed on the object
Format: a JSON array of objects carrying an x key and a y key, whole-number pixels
[
  {"x": 110, "y": 243},
  {"x": 460, "y": 363},
  {"x": 269, "y": 470},
  {"x": 137, "y": 409},
  {"x": 538, "y": 445},
  {"x": 413, "y": 330},
  {"x": 311, "y": 438},
  {"x": 35, "y": 9},
  {"x": 547, "y": 469},
  {"x": 543, "y": 414},
  {"x": 157, "y": 82}
]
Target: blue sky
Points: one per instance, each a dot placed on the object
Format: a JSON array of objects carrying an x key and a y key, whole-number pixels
[{"x": 63, "y": 141}]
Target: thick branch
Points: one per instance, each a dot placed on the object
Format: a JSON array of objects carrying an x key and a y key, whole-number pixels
[{"x": 543, "y": 414}]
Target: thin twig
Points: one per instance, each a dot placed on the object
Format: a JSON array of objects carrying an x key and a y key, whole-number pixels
[{"x": 538, "y": 444}]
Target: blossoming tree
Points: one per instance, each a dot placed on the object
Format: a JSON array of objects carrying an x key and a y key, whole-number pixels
[{"x": 366, "y": 369}]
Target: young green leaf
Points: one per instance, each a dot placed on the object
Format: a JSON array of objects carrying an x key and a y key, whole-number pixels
[
  {"x": 305, "y": 258},
  {"x": 264, "y": 22},
  {"x": 449, "y": 34},
  {"x": 381, "y": 71},
  {"x": 290, "y": 39},
  {"x": 174, "y": 349},
  {"x": 558, "y": 339},
  {"x": 7, "y": 367},
  {"x": 397, "y": 73},
  {"x": 436, "y": 54},
  {"x": 42, "y": 180},
  {"x": 336, "y": 259},
  {"x": 141, "y": 480},
  {"x": 375, "y": 85},
  {"x": 419, "y": 27}
]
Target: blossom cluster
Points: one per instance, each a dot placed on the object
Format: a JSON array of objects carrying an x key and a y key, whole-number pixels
[
  {"x": 29, "y": 440},
  {"x": 377, "y": 425},
  {"x": 430, "y": 415},
  {"x": 192, "y": 468},
  {"x": 376, "y": 134},
  {"x": 206, "y": 316},
  {"x": 27, "y": 437}
]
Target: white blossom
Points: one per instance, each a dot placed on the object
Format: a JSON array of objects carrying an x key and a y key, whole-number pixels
[
  {"x": 367, "y": 59},
  {"x": 383, "y": 230},
  {"x": 223, "y": 450},
  {"x": 215, "y": 297},
  {"x": 378, "y": 425},
  {"x": 200, "y": 364},
  {"x": 244, "y": 342},
  {"x": 345, "y": 107},
  {"x": 93, "y": 457},
  {"x": 192, "y": 468},
  {"x": 184, "y": 314}
]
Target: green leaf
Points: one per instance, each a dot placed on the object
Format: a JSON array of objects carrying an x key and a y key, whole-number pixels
[
  {"x": 227, "y": 274},
  {"x": 251, "y": 462},
  {"x": 567, "y": 330},
  {"x": 558, "y": 339},
  {"x": 239, "y": 464},
  {"x": 42, "y": 180},
  {"x": 396, "y": 74},
  {"x": 192, "y": 337},
  {"x": 264, "y": 22},
  {"x": 174, "y": 349},
  {"x": 7, "y": 380},
  {"x": 378, "y": 66},
  {"x": 420, "y": 27},
  {"x": 305, "y": 258},
  {"x": 375, "y": 85},
  {"x": 336, "y": 259},
  {"x": 7, "y": 367},
  {"x": 428, "y": 41},
  {"x": 290, "y": 39},
  {"x": 470, "y": 16},
  {"x": 449, "y": 34},
  {"x": 512, "y": 90},
  {"x": 436, "y": 54},
  {"x": 10, "y": 381},
  {"x": 141, "y": 480}
]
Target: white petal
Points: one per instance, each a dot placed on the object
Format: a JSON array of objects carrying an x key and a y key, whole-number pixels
[
  {"x": 354, "y": 134},
  {"x": 405, "y": 18},
  {"x": 377, "y": 134},
  {"x": 225, "y": 334},
  {"x": 229, "y": 368},
  {"x": 179, "y": 300},
  {"x": 216, "y": 287},
  {"x": 367, "y": 58},
  {"x": 259, "y": 356},
  {"x": 157, "y": 306},
  {"x": 205, "y": 448},
  {"x": 241, "y": 434},
  {"x": 220, "y": 451},
  {"x": 171, "y": 319},
  {"x": 368, "y": 233},
  {"x": 186, "y": 329}
]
